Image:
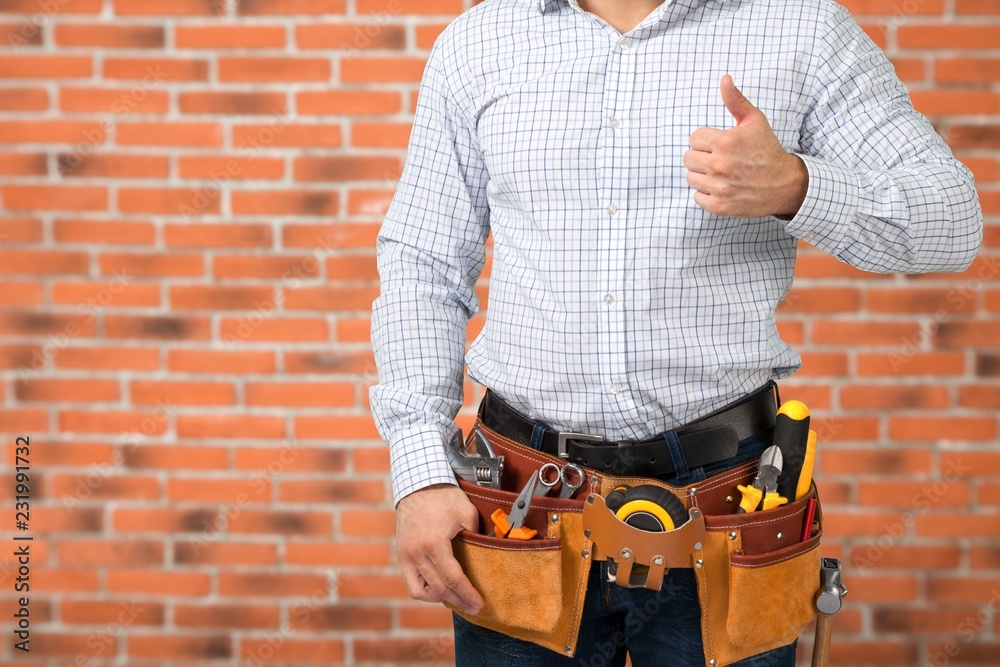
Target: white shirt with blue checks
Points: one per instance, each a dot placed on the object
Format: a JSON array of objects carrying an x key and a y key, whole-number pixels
[{"x": 617, "y": 306}]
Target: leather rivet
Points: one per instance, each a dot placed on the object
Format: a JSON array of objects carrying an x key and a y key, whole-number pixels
[
  {"x": 781, "y": 536},
  {"x": 626, "y": 554},
  {"x": 729, "y": 500},
  {"x": 555, "y": 518},
  {"x": 712, "y": 662},
  {"x": 658, "y": 560},
  {"x": 590, "y": 499},
  {"x": 586, "y": 532},
  {"x": 697, "y": 546},
  {"x": 697, "y": 563},
  {"x": 586, "y": 554},
  {"x": 732, "y": 536},
  {"x": 569, "y": 650},
  {"x": 692, "y": 491}
]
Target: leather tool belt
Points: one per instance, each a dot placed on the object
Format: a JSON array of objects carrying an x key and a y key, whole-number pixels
[{"x": 756, "y": 577}]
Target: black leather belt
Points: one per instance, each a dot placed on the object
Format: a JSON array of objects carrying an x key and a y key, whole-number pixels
[{"x": 709, "y": 439}]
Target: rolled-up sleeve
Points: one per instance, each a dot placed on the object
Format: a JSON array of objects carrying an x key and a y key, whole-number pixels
[
  {"x": 431, "y": 251},
  {"x": 885, "y": 193}
]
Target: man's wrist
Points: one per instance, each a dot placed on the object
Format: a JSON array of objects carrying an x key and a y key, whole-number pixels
[{"x": 793, "y": 188}]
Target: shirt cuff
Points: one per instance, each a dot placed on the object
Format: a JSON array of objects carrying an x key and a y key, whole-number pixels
[
  {"x": 418, "y": 460},
  {"x": 830, "y": 205}
]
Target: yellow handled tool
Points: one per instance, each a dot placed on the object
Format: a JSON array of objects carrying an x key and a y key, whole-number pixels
[{"x": 765, "y": 486}]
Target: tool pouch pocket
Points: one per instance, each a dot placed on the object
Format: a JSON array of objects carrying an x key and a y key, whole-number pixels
[
  {"x": 758, "y": 580},
  {"x": 532, "y": 589}
]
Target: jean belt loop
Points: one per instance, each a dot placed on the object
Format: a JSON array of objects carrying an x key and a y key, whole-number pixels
[
  {"x": 537, "y": 431},
  {"x": 681, "y": 469}
]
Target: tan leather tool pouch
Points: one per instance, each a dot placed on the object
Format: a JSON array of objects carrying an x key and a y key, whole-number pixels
[
  {"x": 756, "y": 578},
  {"x": 532, "y": 589}
]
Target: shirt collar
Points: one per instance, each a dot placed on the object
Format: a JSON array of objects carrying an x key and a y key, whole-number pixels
[{"x": 545, "y": 5}]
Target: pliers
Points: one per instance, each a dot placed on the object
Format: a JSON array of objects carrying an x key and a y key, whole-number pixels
[
  {"x": 765, "y": 486},
  {"x": 512, "y": 525}
]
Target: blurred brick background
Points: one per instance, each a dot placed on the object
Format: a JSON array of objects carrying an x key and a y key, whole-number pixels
[{"x": 191, "y": 192}]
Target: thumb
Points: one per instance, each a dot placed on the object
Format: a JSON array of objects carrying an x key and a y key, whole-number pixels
[{"x": 741, "y": 108}]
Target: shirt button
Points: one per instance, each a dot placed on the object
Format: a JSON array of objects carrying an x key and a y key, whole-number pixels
[
  {"x": 609, "y": 298},
  {"x": 615, "y": 387},
  {"x": 612, "y": 209},
  {"x": 615, "y": 123},
  {"x": 623, "y": 43}
]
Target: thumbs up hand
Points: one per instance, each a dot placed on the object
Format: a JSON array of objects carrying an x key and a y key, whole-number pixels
[{"x": 744, "y": 171}]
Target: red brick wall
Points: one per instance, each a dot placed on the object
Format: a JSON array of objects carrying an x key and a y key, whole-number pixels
[{"x": 191, "y": 191}]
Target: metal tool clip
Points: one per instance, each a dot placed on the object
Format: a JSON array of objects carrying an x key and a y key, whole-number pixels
[{"x": 483, "y": 468}]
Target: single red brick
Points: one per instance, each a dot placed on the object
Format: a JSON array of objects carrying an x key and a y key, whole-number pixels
[
  {"x": 288, "y": 135},
  {"x": 111, "y": 232},
  {"x": 179, "y": 392},
  {"x": 286, "y": 202},
  {"x": 964, "y": 70},
  {"x": 232, "y": 103},
  {"x": 66, "y": 390},
  {"x": 55, "y": 197},
  {"x": 351, "y": 36},
  {"x": 46, "y": 67},
  {"x": 291, "y": 7},
  {"x": 888, "y": 397},
  {"x": 219, "y": 297},
  {"x": 179, "y": 647},
  {"x": 343, "y": 617},
  {"x": 110, "y": 36},
  {"x": 221, "y": 361},
  {"x": 166, "y": 7},
  {"x": 23, "y": 164},
  {"x": 311, "y": 168},
  {"x": 273, "y": 68},
  {"x": 223, "y": 168},
  {"x": 292, "y": 459},
  {"x": 24, "y": 99},
  {"x": 72, "y": 165},
  {"x": 272, "y": 584},
  {"x": 906, "y": 363},
  {"x": 325, "y": 361},
  {"x": 200, "y": 552},
  {"x": 371, "y": 586},
  {"x": 43, "y": 262},
  {"x": 298, "y": 650},
  {"x": 171, "y": 201},
  {"x": 169, "y": 134},
  {"x": 89, "y": 296},
  {"x": 217, "y": 235},
  {"x": 339, "y": 554},
  {"x": 327, "y": 299},
  {"x": 229, "y": 36},
  {"x": 171, "y": 457},
  {"x": 226, "y": 616},
  {"x": 348, "y": 102},
  {"x": 299, "y": 394},
  {"x": 230, "y": 426}
]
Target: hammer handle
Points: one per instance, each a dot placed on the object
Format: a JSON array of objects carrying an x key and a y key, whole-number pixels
[{"x": 821, "y": 646}]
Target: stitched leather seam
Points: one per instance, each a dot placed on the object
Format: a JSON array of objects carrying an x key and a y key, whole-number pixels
[{"x": 779, "y": 560}]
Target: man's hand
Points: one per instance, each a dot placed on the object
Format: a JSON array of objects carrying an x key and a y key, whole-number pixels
[
  {"x": 426, "y": 520},
  {"x": 744, "y": 171}
]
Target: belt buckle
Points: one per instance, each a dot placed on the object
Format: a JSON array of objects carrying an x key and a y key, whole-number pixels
[{"x": 563, "y": 436}]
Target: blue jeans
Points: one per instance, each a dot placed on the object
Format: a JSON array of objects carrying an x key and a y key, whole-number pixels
[{"x": 656, "y": 628}]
